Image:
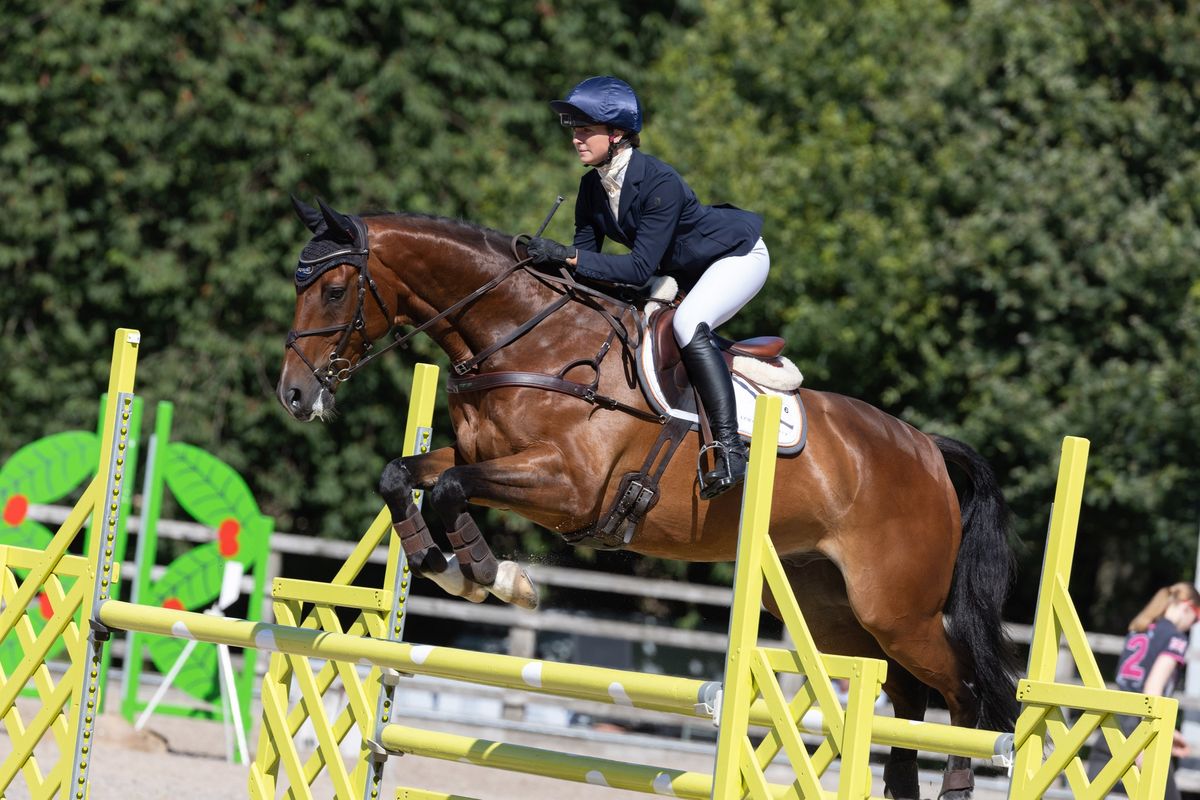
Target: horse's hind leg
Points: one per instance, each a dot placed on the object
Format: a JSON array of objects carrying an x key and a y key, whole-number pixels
[
  {"x": 909, "y": 698},
  {"x": 907, "y": 621},
  {"x": 400, "y": 478}
]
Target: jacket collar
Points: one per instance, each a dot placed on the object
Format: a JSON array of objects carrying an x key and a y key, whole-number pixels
[{"x": 629, "y": 188}]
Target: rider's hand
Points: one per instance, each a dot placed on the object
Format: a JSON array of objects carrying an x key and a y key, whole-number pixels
[{"x": 547, "y": 252}]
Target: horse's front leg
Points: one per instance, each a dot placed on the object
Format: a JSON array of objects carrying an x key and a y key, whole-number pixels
[
  {"x": 473, "y": 570},
  {"x": 532, "y": 482},
  {"x": 400, "y": 478}
]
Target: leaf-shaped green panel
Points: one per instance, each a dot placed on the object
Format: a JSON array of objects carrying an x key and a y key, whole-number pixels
[
  {"x": 50, "y": 468},
  {"x": 28, "y": 533},
  {"x": 192, "y": 582},
  {"x": 207, "y": 488},
  {"x": 198, "y": 676},
  {"x": 193, "y": 579}
]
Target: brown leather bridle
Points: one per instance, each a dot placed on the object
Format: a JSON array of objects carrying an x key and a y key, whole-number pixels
[{"x": 340, "y": 368}]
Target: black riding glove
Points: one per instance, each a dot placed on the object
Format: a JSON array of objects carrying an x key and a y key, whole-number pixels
[{"x": 547, "y": 252}]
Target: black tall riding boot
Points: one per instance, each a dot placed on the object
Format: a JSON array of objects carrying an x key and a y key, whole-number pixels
[{"x": 710, "y": 375}]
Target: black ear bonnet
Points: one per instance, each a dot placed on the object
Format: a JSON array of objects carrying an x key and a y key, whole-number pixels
[{"x": 337, "y": 239}]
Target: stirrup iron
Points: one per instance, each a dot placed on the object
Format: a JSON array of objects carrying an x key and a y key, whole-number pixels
[{"x": 714, "y": 484}]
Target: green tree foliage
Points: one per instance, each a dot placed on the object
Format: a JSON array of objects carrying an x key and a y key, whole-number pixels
[
  {"x": 992, "y": 207},
  {"x": 982, "y": 217},
  {"x": 147, "y": 156}
]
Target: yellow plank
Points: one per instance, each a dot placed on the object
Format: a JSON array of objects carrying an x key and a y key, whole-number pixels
[
  {"x": 23, "y": 748},
  {"x": 802, "y": 640},
  {"x": 35, "y": 657},
  {"x": 54, "y": 552},
  {"x": 747, "y": 598},
  {"x": 43, "y": 680},
  {"x": 1122, "y": 761},
  {"x": 274, "y": 701},
  {"x": 358, "y": 713},
  {"x": 854, "y": 782},
  {"x": 328, "y": 594},
  {"x": 1054, "y": 695},
  {"x": 808, "y": 778},
  {"x": 1060, "y": 550},
  {"x": 26, "y": 558},
  {"x": 1072, "y": 630},
  {"x": 1067, "y": 743},
  {"x": 321, "y": 725}
]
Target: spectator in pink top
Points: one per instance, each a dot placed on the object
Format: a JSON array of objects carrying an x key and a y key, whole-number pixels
[{"x": 1152, "y": 663}]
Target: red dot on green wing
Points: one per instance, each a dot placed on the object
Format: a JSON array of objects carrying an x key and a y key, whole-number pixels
[
  {"x": 227, "y": 537},
  {"x": 174, "y": 603},
  {"x": 15, "y": 509}
]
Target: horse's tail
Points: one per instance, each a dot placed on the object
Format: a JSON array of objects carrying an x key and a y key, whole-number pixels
[{"x": 983, "y": 576}]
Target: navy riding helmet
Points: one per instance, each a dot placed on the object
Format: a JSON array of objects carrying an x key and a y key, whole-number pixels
[{"x": 604, "y": 100}]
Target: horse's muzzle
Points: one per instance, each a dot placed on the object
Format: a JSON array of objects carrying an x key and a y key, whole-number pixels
[{"x": 305, "y": 403}]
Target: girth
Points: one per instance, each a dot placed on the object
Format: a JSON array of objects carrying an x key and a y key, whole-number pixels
[{"x": 638, "y": 491}]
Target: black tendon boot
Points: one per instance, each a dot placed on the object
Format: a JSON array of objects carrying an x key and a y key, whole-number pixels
[{"x": 710, "y": 375}]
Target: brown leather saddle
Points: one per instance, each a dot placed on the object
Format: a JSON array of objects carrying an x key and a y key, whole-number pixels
[{"x": 672, "y": 377}]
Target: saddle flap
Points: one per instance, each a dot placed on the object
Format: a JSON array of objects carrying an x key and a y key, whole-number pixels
[{"x": 671, "y": 374}]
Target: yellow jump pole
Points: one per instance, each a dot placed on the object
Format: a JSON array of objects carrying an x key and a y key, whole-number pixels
[
  {"x": 553, "y": 764},
  {"x": 739, "y": 692},
  {"x": 101, "y": 572}
]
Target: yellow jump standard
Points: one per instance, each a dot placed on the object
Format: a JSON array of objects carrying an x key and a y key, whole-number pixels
[{"x": 82, "y": 593}]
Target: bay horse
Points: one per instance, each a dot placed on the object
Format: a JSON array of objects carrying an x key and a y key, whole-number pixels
[{"x": 883, "y": 558}]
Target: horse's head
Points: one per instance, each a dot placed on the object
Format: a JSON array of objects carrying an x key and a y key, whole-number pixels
[{"x": 340, "y": 310}]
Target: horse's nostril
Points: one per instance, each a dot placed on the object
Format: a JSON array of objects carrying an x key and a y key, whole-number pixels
[{"x": 293, "y": 398}]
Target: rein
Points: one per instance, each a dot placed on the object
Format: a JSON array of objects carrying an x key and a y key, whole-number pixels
[{"x": 340, "y": 369}]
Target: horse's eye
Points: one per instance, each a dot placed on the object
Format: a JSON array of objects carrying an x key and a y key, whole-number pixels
[{"x": 335, "y": 293}]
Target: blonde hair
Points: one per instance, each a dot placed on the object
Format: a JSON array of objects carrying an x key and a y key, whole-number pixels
[{"x": 1158, "y": 604}]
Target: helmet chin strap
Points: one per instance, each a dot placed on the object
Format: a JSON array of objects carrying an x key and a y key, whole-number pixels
[{"x": 614, "y": 144}]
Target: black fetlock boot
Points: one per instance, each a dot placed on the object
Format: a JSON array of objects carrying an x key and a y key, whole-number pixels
[{"x": 709, "y": 373}]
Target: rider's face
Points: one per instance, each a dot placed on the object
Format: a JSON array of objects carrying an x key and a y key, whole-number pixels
[{"x": 591, "y": 143}]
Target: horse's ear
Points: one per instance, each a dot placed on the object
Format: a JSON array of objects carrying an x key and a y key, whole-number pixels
[
  {"x": 308, "y": 215},
  {"x": 339, "y": 226}
]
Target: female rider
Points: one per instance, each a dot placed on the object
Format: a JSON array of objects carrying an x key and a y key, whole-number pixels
[{"x": 715, "y": 252}]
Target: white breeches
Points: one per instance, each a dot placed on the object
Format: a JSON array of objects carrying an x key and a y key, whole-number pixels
[{"x": 721, "y": 292}]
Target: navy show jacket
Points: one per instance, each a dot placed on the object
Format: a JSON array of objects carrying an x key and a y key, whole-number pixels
[{"x": 663, "y": 224}]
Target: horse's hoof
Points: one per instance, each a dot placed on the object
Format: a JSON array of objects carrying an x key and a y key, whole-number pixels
[
  {"x": 476, "y": 594},
  {"x": 512, "y": 585},
  {"x": 901, "y": 780},
  {"x": 455, "y": 583}
]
